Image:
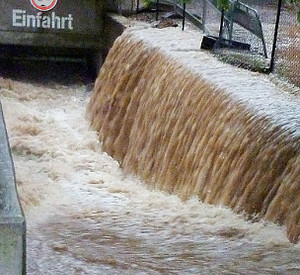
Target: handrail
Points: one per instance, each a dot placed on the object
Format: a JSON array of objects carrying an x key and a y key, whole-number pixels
[
  {"x": 239, "y": 13},
  {"x": 243, "y": 15}
]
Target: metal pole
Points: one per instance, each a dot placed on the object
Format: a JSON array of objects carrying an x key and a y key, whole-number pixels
[
  {"x": 231, "y": 19},
  {"x": 204, "y": 15},
  {"x": 275, "y": 36},
  {"x": 183, "y": 19},
  {"x": 221, "y": 24},
  {"x": 157, "y": 7}
]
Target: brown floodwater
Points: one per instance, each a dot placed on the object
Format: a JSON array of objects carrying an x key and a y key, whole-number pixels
[{"x": 86, "y": 215}]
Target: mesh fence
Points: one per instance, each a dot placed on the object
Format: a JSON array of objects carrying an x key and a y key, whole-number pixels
[
  {"x": 287, "y": 56},
  {"x": 252, "y": 23}
]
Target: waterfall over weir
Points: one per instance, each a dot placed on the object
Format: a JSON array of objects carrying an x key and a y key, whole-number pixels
[{"x": 172, "y": 127}]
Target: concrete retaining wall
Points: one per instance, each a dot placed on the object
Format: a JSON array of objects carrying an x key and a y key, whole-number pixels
[{"x": 12, "y": 221}]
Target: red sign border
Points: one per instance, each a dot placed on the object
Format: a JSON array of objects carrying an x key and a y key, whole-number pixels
[{"x": 50, "y": 7}]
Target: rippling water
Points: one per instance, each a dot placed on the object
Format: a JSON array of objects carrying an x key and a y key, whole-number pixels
[{"x": 85, "y": 216}]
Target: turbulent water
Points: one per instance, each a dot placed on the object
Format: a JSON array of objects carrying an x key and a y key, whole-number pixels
[
  {"x": 237, "y": 146},
  {"x": 86, "y": 216}
]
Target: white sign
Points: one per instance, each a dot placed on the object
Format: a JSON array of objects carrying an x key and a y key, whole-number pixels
[
  {"x": 43, "y": 5},
  {"x": 48, "y": 21}
]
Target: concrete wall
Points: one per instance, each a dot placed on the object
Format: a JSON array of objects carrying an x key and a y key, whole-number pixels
[
  {"x": 122, "y": 6},
  {"x": 75, "y": 26},
  {"x": 12, "y": 221}
]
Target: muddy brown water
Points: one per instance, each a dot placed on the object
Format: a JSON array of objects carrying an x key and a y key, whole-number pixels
[
  {"x": 86, "y": 215},
  {"x": 186, "y": 136}
]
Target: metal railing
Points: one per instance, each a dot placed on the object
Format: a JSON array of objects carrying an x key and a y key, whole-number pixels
[
  {"x": 238, "y": 13},
  {"x": 273, "y": 44},
  {"x": 241, "y": 14}
]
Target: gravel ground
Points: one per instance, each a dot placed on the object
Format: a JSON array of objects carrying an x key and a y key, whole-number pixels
[{"x": 286, "y": 66}]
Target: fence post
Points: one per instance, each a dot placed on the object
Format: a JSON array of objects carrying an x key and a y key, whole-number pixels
[
  {"x": 272, "y": 63},
  {"x": 157, "y": 9},
  {"x": 183, "y": 19},
  {"x": 204, "y": 15},
  {"x": 12, "y": 221},
  {"x": 221, "y": 24}
]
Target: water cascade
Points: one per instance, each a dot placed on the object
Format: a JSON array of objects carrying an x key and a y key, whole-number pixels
[{"x": 184, "y": 135}]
